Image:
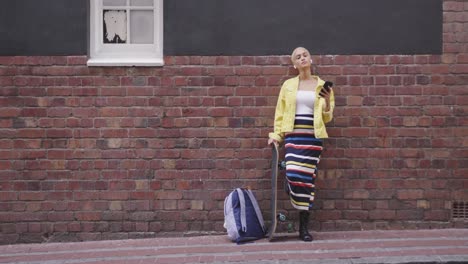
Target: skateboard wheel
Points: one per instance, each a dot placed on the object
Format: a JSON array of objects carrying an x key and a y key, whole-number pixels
[
  {"x": 282, "y": 165},
  {"x": 281, "y": 217}
]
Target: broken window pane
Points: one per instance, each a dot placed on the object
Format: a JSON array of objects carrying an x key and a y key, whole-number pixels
[
  {"x": 141, "y": 27},
  {"x": 115, "y": 26}
]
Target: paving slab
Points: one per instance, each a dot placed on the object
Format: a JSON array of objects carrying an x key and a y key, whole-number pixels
[{"x": 358, "y": 247}]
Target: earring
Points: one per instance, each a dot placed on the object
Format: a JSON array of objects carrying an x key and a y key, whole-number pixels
[
  {"x": 311, "y": 61},
  {"x": 295, "y": 67}
]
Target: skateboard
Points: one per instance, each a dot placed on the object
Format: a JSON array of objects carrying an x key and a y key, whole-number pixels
[{"x": 275, "y": 165}]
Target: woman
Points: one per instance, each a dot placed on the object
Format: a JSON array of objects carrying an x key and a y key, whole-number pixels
[{"x": 303, "y": 108}]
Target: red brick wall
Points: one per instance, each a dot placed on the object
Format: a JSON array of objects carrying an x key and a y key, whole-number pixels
[{"x": 110, "y": 153}]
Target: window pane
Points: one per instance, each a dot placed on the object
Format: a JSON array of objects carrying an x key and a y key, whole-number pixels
[
  {"x": 142, "y": 26},
  {"x": 141, "y": 2},
  {"x": 114, "y": 2},
  {"x": 115, "y": 26}
]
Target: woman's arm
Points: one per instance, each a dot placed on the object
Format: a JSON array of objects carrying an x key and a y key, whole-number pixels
[
  {"x": 329, "y": 106},
  {"x": 279, "y": 115}
]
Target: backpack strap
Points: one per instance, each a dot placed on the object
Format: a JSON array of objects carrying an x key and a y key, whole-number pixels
[
  {"x": 257, "y": 209},
  {"x": 225, "y": 203},
  {"x": 242, "y": 208}
]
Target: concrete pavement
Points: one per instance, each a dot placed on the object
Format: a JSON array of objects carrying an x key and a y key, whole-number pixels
[{"x": 411, "y": 246}]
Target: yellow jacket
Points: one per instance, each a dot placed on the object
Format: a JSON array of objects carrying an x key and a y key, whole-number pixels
[{"x": 286, "y": 110}]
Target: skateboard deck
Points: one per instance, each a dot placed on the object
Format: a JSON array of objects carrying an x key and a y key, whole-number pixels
[{"x": 274, "y": 191}]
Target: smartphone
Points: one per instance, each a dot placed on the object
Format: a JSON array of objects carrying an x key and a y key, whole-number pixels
[{"x": 326, "y": 86}]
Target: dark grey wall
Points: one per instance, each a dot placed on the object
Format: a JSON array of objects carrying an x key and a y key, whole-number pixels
[
  {"x": 264, "y": 27},
  {"x": 240, "y": 27},
  {"x": 43, "y": 27}
]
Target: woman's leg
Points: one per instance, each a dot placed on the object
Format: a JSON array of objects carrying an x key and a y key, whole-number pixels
[
  {"x": 302, "y": 156},
  {"x": 303, "y": 226}
]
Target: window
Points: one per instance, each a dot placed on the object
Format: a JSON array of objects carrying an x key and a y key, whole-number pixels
[{"x": 126, "y": 33}]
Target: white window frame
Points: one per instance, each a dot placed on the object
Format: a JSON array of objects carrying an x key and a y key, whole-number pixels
[{"x": 101, "y": 54}]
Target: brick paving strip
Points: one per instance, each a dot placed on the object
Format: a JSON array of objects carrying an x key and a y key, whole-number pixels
[{"x": 421, "y": 246}]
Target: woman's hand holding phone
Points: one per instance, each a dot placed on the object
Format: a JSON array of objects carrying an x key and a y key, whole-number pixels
[
  {"x": 326, "y": 89},
  {"x": 326, "y": 92}
]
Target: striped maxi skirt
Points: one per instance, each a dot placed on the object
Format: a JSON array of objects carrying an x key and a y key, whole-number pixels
[{"x": 302, "y": 154}]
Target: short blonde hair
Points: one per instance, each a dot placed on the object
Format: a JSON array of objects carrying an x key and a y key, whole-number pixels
[{"x": 294, "y": 51}]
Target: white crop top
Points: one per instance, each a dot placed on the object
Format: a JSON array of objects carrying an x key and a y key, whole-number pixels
[{"x": 305, "y": 102}]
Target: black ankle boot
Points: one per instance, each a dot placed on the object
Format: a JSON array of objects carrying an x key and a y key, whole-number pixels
[{"x": 303, "y": 223}]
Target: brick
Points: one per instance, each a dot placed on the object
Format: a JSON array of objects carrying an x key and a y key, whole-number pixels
[
  {"x": 88, "y": 216},
  {"x": 355, "y": 70},
  {"x": 409, "y": 194},
  {"x": 31, "y": 196},
  {"x": 357, "y": 132},
  {"x": 359, "y": 194},
  {"x": 76, "y": 60},
  {"x": 453, "y": 6},
  {"x": 382, "y": 214},
  {"x": 409, "y": 214},
  {"x": 381, "y": 70},
  {"x": 356, "y": 215},
  {"x": 424, "y": 204},
  {"x": 462, "y": 58},
  {"x": 213, "y": 112},
  {"x": 274, "y": 70},
  {"x": 437, "y": 215},
  {"x": 328, "y": 215},
  {"x": 330, "y": 70},
  {"x": 354, "y": 100}
]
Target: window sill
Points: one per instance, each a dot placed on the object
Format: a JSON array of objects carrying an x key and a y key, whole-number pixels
[{"x": 126, "y": 62}]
